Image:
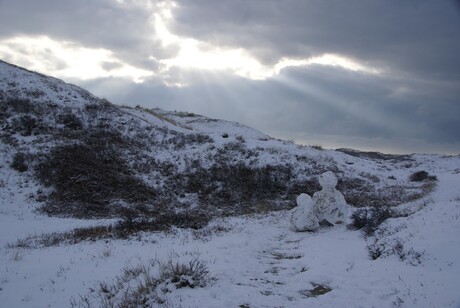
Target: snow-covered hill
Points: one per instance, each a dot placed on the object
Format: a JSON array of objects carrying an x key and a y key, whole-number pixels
[{"x": 97, "y": 199}]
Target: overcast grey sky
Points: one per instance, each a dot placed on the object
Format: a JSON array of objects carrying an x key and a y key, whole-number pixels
[{"x": 370, "y": 74}]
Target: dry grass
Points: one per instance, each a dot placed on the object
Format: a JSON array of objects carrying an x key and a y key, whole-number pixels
[{"x": 144, "y": 284}]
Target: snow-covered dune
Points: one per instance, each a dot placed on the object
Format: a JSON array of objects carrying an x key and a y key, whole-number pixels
[{"x": 172, "y": 209}]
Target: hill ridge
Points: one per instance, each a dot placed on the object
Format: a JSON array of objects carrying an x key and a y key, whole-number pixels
[{"x": 183, "y": 161}]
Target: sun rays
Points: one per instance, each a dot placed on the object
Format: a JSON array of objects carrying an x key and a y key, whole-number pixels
[
  {"x": 200, "y": 55},
  {"x": 172, "y": 57}
]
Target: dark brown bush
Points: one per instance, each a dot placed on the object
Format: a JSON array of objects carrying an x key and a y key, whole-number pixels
[
  {"x": 20, "y": 162},
  {"x": 421, "y": 176},
  {"x": 88, "y": 178}
]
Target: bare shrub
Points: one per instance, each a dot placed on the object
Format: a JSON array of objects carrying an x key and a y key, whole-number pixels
[
  {"x": 70, "y": 121},
  {"x": 421, "y": 176},
  {"x": 207, "y": 232},
  {"x": 359, "y": 192},
  {"x": 35, "y": 93},
  {"x": 181, "y": 275},
  {"x": 309, "y": 186},
  {"x": 318, "y": 290},
  {"x": 24, "y": 125},
  {"x": 240, "y": 139},
  {"x": 20, "y": 162},
  {"x": 386, "y": 248},
  {"x": 87, "y": 178},
  {"x": 161, "y": 220},
  {"x": 186, "y": 114},
  {"x": 121, "y": 294},
  {"x": 66, "y": 238},
  {"x": 144, "y": 285},
  {"x": 20, "y": 105},
  {"x": 363, "y": 193},
  {"x": 180, "y": 141},
  {"x": 368, "y": 220},
  {"x": 130, "y": 225},
  {"x": 318, "y": 147}
]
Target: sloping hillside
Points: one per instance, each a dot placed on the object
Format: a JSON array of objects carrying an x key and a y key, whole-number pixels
[
  {"x": 93, "y": 159},
  {"x": 115, "y": 206}
]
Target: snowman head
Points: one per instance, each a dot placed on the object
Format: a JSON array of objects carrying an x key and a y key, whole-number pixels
[{"x": 328, "y": 180}]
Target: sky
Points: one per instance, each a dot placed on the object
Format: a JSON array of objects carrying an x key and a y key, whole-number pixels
[{"x": 379, "y": 75}]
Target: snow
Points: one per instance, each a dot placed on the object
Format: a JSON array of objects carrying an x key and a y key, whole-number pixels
[
  {"x": 330, "y": 204},
  {"x": 43, "y": 88},
  {"x": 214, "y": 127},
  {"x": 303, "y": 216},
  {"x": 255, "y": 260}
]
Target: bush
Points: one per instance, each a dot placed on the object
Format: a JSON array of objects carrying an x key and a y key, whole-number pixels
[
  {"x": 318, "y": 290},
  {"x": 88, "y": 178},
  {"x": 318, "y": 147},
  {"x": 384, "y": 248},
  {"x": 20, "y": 162},
  {"x": 136, "y": 287},
  {"x": 368, "y": 220},
  {"x": 20, "y": 105},
  {"x": 240, "y": 184},
  {"x": 70, "y": 121},
  {"x": 24, "y": 125},
  {"x": 421, "y": 176},
  {"x": 182, "y": 275},
  {"x": 240, "y": 139},
  {"x": 144, "y": 285}
]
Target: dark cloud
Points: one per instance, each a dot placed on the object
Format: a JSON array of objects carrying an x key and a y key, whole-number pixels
[
  {"x": 124, "y": 29},
  {"x": 414, "y": 36}
]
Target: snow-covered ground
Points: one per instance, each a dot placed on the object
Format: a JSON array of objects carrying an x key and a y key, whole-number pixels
[{"x": 253, "y": 261}]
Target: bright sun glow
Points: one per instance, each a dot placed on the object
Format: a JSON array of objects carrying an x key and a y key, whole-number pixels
[
  {"x": 194, "y": 54},
  {"x": 201, "y": 55},
  {"x": 328, "y": 60},
  {"x": 67, "y": 59}
]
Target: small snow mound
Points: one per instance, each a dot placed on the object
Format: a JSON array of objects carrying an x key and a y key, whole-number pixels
[
  {"x": 330, "y": 204},
  {"x": 303, "y": 217}
]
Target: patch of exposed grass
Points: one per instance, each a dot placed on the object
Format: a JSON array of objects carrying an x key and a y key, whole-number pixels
[
  {"x": 318, "y": 290},
  {"x": 182, "y": 275},
  {"x": 385, "y": 242},
  {"x": 66, "y": 238},
  {"x": 158, "y": 115},
  {"x": 120, "y": 230},
  {"x": 145, "y": 284},
  {"x": 282, "y": 256}
]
